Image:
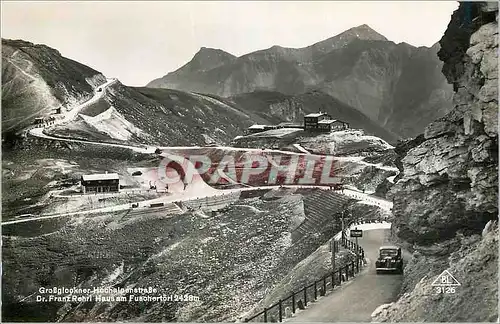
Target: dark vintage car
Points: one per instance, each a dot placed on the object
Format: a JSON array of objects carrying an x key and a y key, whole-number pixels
[{"x": 390, "y": 259}]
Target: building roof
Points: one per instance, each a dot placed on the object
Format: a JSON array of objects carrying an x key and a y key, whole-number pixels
[
  {"x": 315, "y": 114},
  {"x": 327, "y": 121},
  {"x": 257, "y": 127},
  {"x": 330, "y": 121},
  {"x": 388, "y": 247},
  {"x": 102, "y": 176}
]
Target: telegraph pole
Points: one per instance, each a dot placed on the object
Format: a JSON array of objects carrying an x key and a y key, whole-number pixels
[
  {"x": 333, "y": 247},
  {"x": 342, "y": 216},
  {"x": 357, "y": 250}
]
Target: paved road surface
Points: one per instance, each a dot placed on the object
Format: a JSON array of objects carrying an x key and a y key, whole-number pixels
[
  {"x": 200, "y": 191},
  {"x": 356, "y": 300}
]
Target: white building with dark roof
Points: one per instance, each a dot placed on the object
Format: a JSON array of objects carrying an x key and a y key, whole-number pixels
[
  {"x": 260, "y": 128},
  {"x": 105, "y": 182},
  {"x": 311, "y": 120},
  {"x": 332, "y": 125},
  {"x": 316, "y": 115},
  {"x": 323, "y": 122}
]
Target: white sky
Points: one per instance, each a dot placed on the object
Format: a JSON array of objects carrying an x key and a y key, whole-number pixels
[{"x": 140, "y": 41}]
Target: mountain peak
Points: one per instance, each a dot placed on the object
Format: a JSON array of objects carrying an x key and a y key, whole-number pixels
[
  {"x": 209, "y": 50},
  {"x": 361, "y": 32},
  {"x": 365, "y": 32},
  {"x": 364, "y": 26},
  {"x": 206, "y": 59}
]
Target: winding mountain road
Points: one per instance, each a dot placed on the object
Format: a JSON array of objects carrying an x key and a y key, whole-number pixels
[
  {"x": 355, "y": 300},
  {"x": 73, "y": 113},
  {"x": 198, "y": 193},
  {"x": 180, "y": 196},
  {"x": 70, "y": 115},
  {"x": 38, "y": 132}
]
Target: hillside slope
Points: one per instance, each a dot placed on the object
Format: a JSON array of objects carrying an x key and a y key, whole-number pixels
[
  {"x": 397, "y": 85},
  {"x": 234, "y": 260},
  {"x": 156, "y": 116},
  {"x": 36, "y": 80}
]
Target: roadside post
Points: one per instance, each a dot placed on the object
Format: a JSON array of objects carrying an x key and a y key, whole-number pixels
[
  {"x": 342, "y": 216},
  {"x": 334, "y": 246},
  {"x": 357, "y": 233}
]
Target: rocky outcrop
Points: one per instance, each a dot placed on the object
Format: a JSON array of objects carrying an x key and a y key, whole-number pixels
[
  {"x": 474, "y": 265},
  {"x": 402, "y": 149},
  {"x": 447, "y": 191},
  {"x": 455, "y": 168}
]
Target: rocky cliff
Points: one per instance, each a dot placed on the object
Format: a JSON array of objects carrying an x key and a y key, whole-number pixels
[
  {"x": 399, "y": 86},
  {"x": 447, "y": 193}
]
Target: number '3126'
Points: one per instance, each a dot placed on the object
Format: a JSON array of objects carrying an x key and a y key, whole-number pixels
[{"x": 445, "y": 290}]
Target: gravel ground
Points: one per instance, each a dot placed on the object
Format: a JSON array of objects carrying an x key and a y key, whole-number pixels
[{"x": 229, "y": 262}]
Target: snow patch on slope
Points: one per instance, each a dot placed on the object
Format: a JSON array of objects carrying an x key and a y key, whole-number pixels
[
  {"x": 112, "y": 123},
  {"x": 359, "y": 135},
  {"x": 347, "y": 142}
]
